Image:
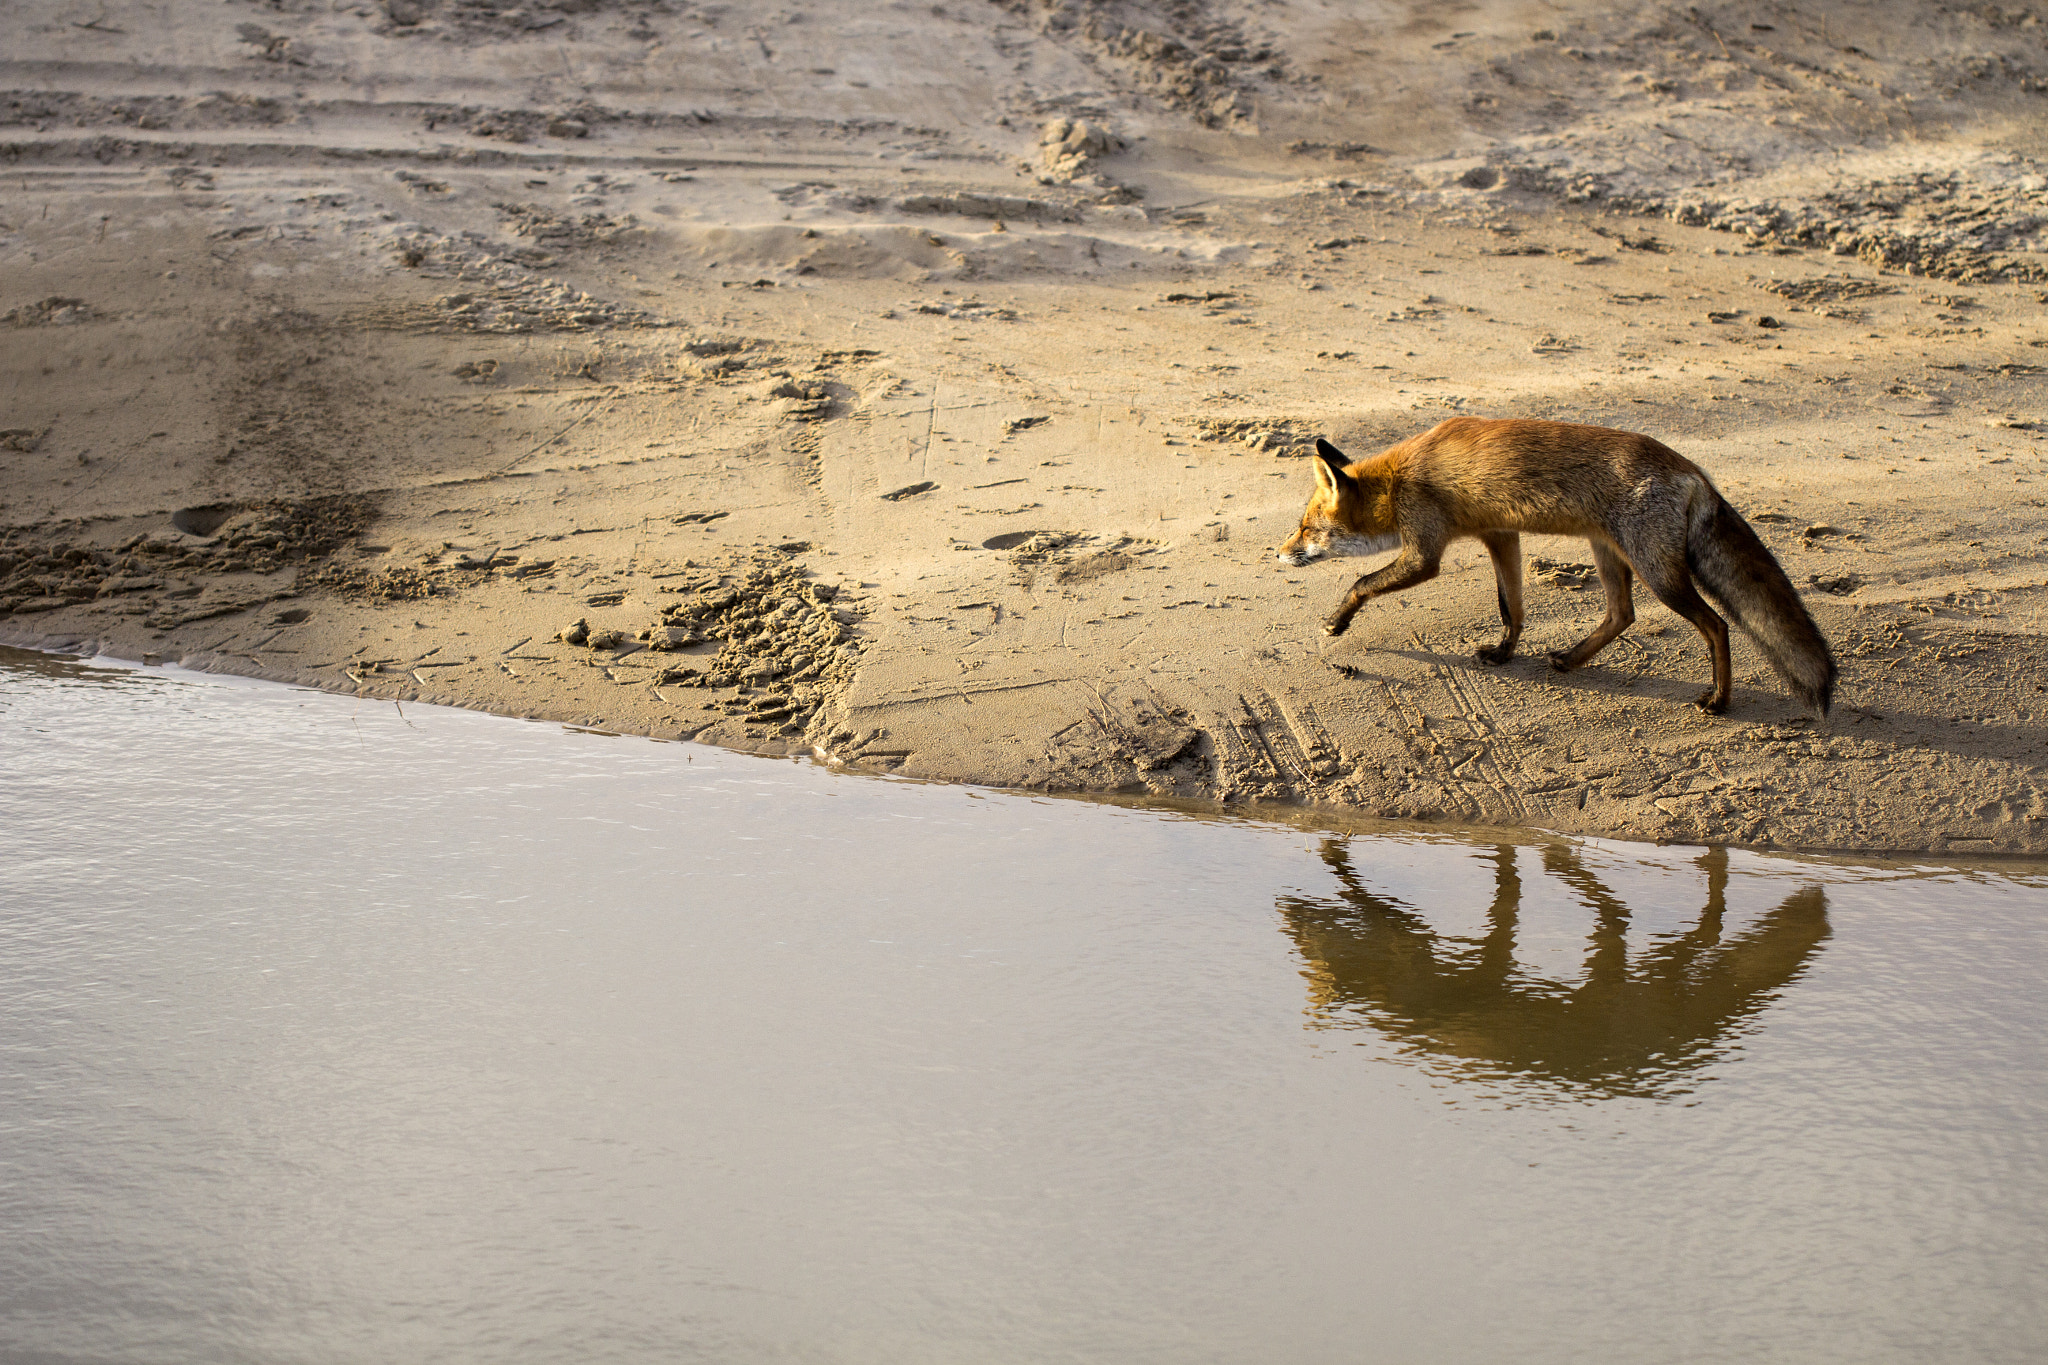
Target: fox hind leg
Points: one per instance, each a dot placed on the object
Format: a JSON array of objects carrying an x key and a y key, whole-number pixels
[
  {"x": 1505, "y": 547},
  {"x": 1619, "y": 582},
  {"x": 1672, "y": 582}
]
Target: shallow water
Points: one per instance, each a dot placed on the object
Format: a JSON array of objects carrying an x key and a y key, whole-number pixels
[{"x": 335, "y": 1033}]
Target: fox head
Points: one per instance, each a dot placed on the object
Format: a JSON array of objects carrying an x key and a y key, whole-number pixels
[{"x": 1341, "y": 517}]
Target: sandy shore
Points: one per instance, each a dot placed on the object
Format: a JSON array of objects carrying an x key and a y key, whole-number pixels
[{"x": 925, "y": 386}]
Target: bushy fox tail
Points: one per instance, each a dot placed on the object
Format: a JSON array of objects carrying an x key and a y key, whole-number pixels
[{"x": 1739, "y": 572}]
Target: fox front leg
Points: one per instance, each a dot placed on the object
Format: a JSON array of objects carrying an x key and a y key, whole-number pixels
[
  {"x": 1505, "y": 548},
  {"x": 1410, "y": 567}
]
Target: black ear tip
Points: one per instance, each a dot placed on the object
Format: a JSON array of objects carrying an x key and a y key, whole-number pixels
[{"x": 1328, "y": 451}]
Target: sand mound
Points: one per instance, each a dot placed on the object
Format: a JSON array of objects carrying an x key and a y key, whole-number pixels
[
  {"x": 892, "y": 251},
  {"x": 881, "y": 252}
]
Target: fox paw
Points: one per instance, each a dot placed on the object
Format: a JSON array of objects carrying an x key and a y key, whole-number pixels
[
  {"x": 1711, "y": 702},
  {"x": 1560, "y": 661},
  {"x": 1493, "y": 656},
  {"x": 1336, "y": 625}
]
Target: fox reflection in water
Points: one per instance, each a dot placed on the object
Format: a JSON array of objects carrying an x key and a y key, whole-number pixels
[{"x": 1629, "y": 1028}]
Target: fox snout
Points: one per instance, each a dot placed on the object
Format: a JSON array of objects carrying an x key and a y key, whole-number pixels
[
  {"x": 1298, "y": 550},
  {"x": 1306, "y": 545}
]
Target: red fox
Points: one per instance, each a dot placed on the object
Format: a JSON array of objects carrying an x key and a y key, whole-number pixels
[{"x": 1646, "y": 509}]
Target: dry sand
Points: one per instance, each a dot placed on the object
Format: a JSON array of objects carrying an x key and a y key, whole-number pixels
[{"x": 924, "y": 386}]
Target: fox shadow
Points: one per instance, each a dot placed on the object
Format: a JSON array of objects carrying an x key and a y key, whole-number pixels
[
  {"x": 1642, "y": 1026},
  {"x": 1757, "y": 703},
  {"x": 1674, "y": 686}
]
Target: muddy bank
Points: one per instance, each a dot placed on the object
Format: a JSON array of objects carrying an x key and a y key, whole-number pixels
[{"x": 750, "y": 382}]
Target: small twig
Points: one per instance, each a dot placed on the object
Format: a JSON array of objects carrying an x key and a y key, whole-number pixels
[
  {"x": 1696, "y": 17},
  {"x": 563, "y": 432}
]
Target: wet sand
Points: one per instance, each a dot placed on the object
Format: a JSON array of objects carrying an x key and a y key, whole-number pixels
[{"x": 926, "y": 387}]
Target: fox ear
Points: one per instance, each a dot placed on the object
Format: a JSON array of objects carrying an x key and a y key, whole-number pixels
[{"x": 1330, "y": 465}]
